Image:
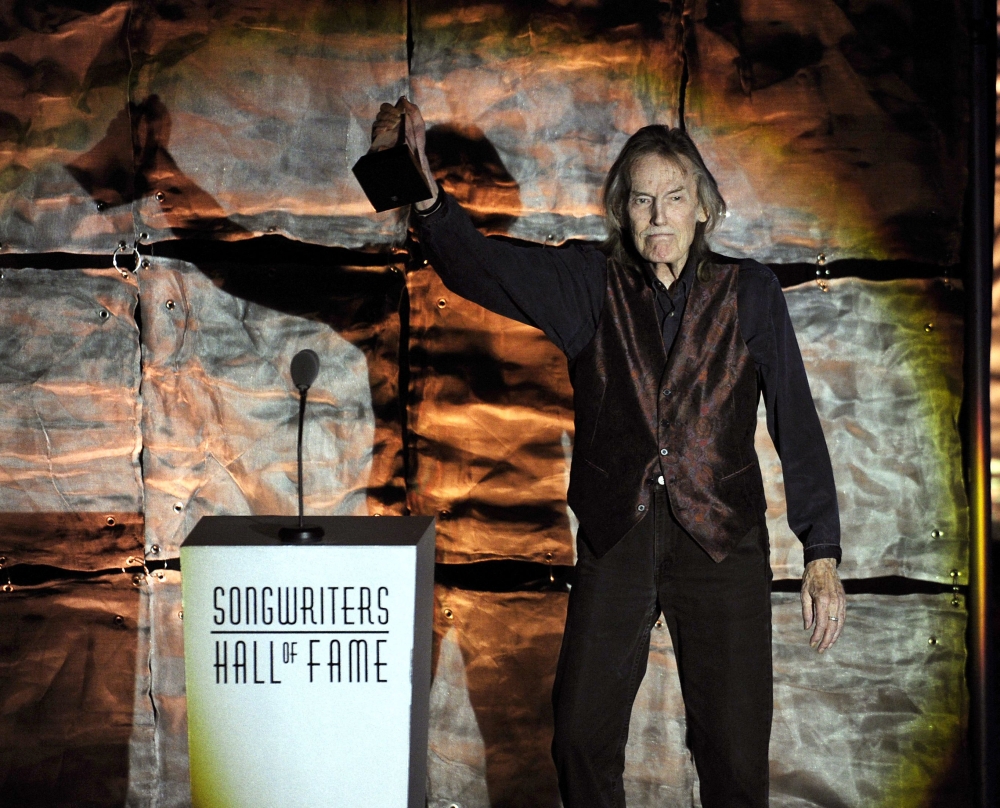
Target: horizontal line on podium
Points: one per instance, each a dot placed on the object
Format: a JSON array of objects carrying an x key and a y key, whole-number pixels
[{"x": 301, "y": 632}]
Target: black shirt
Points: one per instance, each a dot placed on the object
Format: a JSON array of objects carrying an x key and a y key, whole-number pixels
[
  {"x": 670, "y": 303},
  {"x": 561, "y": 291}
]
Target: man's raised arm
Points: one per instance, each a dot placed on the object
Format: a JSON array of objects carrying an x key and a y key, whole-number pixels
[{"x": 559, "y": 290}]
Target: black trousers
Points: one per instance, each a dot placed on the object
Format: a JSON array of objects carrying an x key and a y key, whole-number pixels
[{"x": 719, "y": 617}]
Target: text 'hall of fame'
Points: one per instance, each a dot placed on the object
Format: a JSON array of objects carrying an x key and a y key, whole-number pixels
[{"x": 266, "y": 635}]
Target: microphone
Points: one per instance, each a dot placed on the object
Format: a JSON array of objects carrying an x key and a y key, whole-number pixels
[{"x": 305, "y": 369}]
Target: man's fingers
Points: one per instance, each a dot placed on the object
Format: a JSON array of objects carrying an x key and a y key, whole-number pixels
[
  {"x": 836, "y": 612},
  {"x": 387, "y": 118},
  {"x": 821, "y": 609},
  {"x": 807, "y": 609},
  {"x": 830, "y": 635},
  {"x": 415, "y": 126},
  {"x": 839, "y": 623},
  {"x": 411, "y": 133},
  {"x": 409, "y": 107}
]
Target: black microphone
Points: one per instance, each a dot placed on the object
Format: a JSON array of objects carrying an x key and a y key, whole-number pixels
[{"x": 305, "y": 369}]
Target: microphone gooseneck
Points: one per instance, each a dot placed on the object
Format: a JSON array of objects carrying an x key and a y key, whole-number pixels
[
  {"x": 302, "y": 418},
  {"x": 305, "y": 369}
]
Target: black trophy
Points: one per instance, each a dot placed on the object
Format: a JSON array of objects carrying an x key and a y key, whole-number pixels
[{"x": 390, "y": 173}]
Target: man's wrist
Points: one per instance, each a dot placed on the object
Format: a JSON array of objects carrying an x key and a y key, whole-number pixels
[
  {"x": 430, "y": 206},
  {"x": 819, "y": 551}
]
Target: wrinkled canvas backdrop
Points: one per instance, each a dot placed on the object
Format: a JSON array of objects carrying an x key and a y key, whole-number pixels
[
  {"x": 137, "y": 401},
  {"x": 191, "y": 118}
]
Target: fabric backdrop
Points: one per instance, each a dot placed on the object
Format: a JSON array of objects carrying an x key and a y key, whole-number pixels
[{"x": 137, "y": 401}]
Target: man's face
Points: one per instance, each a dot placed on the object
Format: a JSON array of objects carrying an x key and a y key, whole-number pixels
[{"x": 663, "y": 211}]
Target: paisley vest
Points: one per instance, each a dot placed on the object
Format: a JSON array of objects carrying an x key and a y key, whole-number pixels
[{"x": 690, "y": 418}]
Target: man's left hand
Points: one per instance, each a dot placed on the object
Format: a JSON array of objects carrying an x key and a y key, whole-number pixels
[{"x": 823, "y": 603}]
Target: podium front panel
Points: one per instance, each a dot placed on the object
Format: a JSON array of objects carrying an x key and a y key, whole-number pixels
[{"x": 308, "y": 666}]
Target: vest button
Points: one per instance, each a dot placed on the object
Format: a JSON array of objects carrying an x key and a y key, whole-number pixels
[
  {"x": 664, "y": 452},
  {"x": 642, "y": 508},
  {"x": 666, "y": 392}
]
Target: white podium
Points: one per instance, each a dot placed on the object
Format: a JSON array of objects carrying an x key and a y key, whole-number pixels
[{"x": 308, "y": 666}]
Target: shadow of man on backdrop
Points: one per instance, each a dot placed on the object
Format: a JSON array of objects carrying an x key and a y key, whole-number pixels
[
  {"x": 131, "y": 162},
  {"x": 471, "y": 170}
]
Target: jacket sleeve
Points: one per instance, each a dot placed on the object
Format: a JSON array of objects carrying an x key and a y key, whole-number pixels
[
  {"x": 557, "y": 289},
  {"x": 792, "y": 421}
]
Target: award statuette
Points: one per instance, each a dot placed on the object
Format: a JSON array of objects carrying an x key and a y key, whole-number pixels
[{"x": 389, "y": 174}]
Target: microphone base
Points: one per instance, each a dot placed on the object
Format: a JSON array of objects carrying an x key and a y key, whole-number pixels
[{"x": 301, "y": 535}]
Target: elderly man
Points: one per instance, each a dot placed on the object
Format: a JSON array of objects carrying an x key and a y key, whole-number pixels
[{"x": 670, "y": 348}]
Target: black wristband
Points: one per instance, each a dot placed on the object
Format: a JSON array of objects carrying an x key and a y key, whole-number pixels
[{"x": 433, "y": 208}]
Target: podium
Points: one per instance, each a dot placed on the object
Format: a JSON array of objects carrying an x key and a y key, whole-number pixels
[{"x": 308, "y": 665}]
